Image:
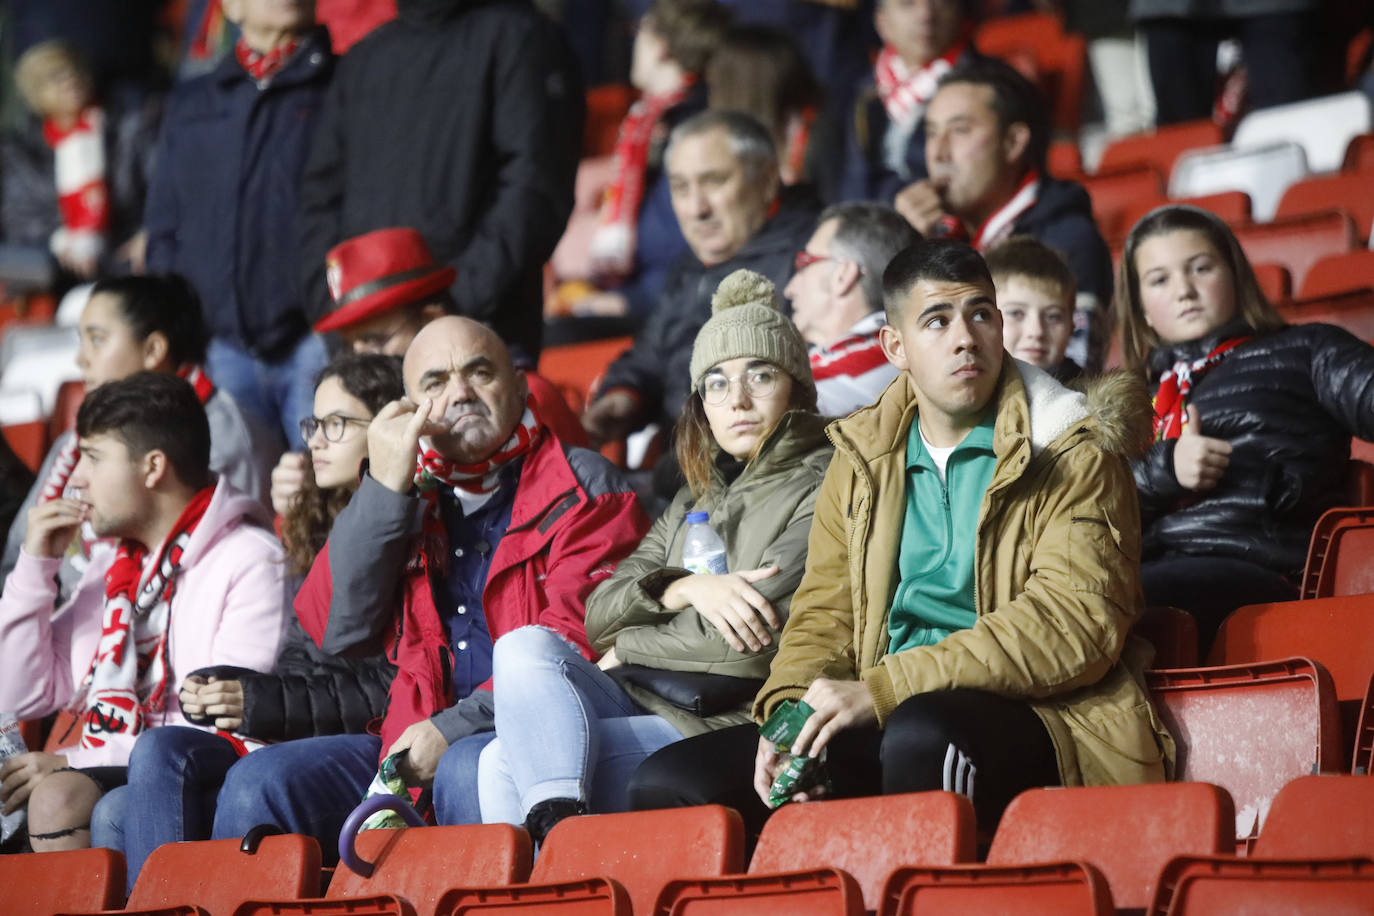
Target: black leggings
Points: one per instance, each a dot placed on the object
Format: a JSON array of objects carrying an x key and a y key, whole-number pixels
[{"x": 987, "y": 747}]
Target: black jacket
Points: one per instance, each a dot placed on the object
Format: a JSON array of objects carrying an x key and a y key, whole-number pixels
[
  {"x": 309, "y": 692},
  {"x": 657, "y": 366},
  {"x": 461, "y": 119},
  {"x": 1288, "y": 403}
]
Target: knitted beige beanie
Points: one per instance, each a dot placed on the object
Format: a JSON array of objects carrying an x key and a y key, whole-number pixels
[{"x": 747, "y": 320}]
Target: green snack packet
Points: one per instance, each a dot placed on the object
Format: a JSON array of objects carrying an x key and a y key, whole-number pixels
[
  {"x": 388, "y": 781},
  {"x": 786, "y": 722},
  {"x": 799, "y": 775}
]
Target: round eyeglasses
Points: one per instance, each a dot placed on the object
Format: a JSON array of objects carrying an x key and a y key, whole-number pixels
[
  {"x": 758, "y": 382},
  {"x": 332, "y": 426}
]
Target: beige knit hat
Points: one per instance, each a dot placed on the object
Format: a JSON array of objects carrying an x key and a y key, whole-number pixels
[{"x": 747, "y": 320}]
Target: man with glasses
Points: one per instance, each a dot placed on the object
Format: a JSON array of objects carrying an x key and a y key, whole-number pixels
[{"x": 836, "y": 293}]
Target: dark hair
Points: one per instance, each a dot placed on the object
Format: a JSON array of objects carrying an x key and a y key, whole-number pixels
[
  {"x": 1028, "y": 257},
  {"x": 760, "y": 71},
  {"x": 373, "y": 379},
  {"x": 749, "y": 141},
  {"x": 165, "y": 304},
  {"x": 870, "y": 235},
  {"x": 1137, "y": 337},
  {"x": 692, "y": 29},
  {"x": 150, "y": 411},
  {"x": 936, "y": 260},
  {"x": 1015, "y": 100}
]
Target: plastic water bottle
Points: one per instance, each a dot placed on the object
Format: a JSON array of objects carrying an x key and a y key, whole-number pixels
[
  {"x": 11, "y": 745},
  {"x": 704, "y": 551}
]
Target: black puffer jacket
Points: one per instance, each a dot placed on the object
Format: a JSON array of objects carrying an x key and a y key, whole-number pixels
[
  {"x": 656, "y": 367},
  {"x": 309, "y": 692},
  {"x": 1288, "y": 403}
]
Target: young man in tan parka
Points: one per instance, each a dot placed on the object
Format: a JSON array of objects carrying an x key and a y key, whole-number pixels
[{"x": 972, "y": 576}]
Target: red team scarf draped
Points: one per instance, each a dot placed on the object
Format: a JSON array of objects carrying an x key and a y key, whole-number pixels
[
  {"x": 264, "y": 66},
  {"x": 83, "y": 200},
  {"x": 127, "y": 684},
  {"x": 904, "y": 92},
  {"x": 434, "y": 470},
  {"x": 614, "y": 241},
  {"x": 1170, "y": 403},
  {"x": 1001, "y": 223}
]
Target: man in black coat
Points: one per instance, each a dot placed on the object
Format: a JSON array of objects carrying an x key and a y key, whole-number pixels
[
  {"x": 463, "y": 119},
  {"x": 723, "y": 176}
]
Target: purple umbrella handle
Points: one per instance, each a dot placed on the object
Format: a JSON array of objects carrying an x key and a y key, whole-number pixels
[{"x": 348, "y": 854}]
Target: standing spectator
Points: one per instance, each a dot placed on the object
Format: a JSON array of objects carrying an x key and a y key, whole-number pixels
[
  {"x": 222, "y": 208},
  {"x": 884, "y": 133},
  {"x": 195, "y": 580},
  {"x": 987, "y": 136},
  {"x": 1117, "y": 55},
  {"x": 463, "y": 120},
  {"x": 837, "y": 301}
]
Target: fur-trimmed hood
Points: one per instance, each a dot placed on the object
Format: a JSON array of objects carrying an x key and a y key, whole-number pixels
[{"x": 1118, "y": 403}]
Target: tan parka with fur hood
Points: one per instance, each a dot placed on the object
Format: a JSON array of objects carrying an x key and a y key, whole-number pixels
[{"x": 1056, "y": 583}]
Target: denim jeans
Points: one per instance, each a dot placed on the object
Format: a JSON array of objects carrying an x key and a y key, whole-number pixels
[
  {"x": 455, "y": 781},
  {"x": 279, "y": 393},
  {"x": 564, "y": 729}
]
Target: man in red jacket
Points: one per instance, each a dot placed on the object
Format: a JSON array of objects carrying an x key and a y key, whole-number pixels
[{"x": 473, "y": 519}]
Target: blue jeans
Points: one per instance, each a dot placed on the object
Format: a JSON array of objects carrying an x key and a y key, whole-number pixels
[
  {"x": 280, "y": 393},
  {"x": 455, "y": 781},
  {"x": 564, "y": 729}
]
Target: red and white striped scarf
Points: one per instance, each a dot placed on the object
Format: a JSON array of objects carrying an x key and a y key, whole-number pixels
[
  {"x": 262, "y": 66},
  {"x": 83, "y": 200},
  {"x": 433, "y": 469},
  {"x": 1171, "y": 400},
  {"x": 127, "y": 682},
  {"x": 904, "y": 92},
  {"x": 613, "y": 245},
  {"x": 1000, "y": 224}
]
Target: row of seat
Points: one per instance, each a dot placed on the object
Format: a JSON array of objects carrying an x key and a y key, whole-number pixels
[{"x": 1092, "y": 850}]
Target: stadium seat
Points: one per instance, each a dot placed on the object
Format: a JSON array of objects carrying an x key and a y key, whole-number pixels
[
  {"x": 217, "y": 876},
  {"x": 576, "y": 368},
  {"x": 412, "y": 870},
  {"x": 1359, "y": 477},
  {"x": 39, "y": 358},
  {"x": 1321, "y": 541},
  {"x": 1161, "y": 147},
  {"x": 816, "y": 892},
  {"x": 1359, "y": 154},
  {"x": 1192, "y": 887},
  {"x": 606, "y": 107},
  {"x": 1173, "y": 633},
  {"x": 69, "y": 398},
  {"x": 1336, "y": 632},
  {"x": 1323, "y": 126},
  {"x": 1065, "y": 160},
  {"x": 1347, "y": 562},
  {"x": 1340, "y": 273},
  {"x": 43, "y": 883},
  {"x": 1056, "y": 60},
  {"x": 1275, "y": 282},
  {"x": 24, "y": 425},
  {"x": 1320, "y": 817},
  {"x": 1232, "y": 207},
  {"x": 1061, "y": 889},
  {"x": 584, "y": 897},
  {"x": 1250, "y": 728},
  {"x": 1298, "y": 242},
  {"x": 1263, "y": 173},
  {"x": 1352, "y": 192},
  {"x": 1113, "y": 193},
  {"x": 1363, "y": 763},
  {"x": 1352, "y": 311}
]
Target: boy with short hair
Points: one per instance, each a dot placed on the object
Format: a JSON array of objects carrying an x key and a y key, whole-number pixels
[{"x": 1035, "y": 292}]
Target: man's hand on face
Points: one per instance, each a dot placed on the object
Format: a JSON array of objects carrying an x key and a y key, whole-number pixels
[
  {"x": 610, "y": 417},
  {"x": 393, "y": 442},
  {"x": 51, "y": 527},
  {"x": 921, "y": 205},
  {"x": 288, "y": 479}
]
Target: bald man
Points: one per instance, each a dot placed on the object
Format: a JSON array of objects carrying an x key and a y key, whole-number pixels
[{"x": 472, "y": 519}]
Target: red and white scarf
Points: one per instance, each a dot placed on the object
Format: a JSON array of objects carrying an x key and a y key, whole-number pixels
[
  {"x": 262, "y": 66},
  {"x": 1000, "y": 225},
  {"x": 1171, "y": 400},
  {"x": 434, "y": 470},
  {"x": 83, "y": 200},
  {"x": 904, "y": 92},
  {"x": 613, "y": 244},
  {"x": 127, "y": 684}
]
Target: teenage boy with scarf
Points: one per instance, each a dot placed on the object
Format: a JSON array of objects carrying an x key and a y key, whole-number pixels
[
  {"x": 472, "y": 520},
  {"x": 195, "y": 580}
]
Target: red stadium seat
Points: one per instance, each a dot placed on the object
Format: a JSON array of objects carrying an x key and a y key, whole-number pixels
[
  {"x": 43, "y": 883},
  {"x": 1160, "y": 147},
  {"x": 216, "y": 876},
  {"x": 1061, "y": 889},
  {"x": 1320, "y": 817},
  {"x": 575, "y": 368},
  {"x": 1340, "y": 273},
  {"x": 1173, "y": 633},
  {"x": 1065, "y": 160},
  {"x": 1359, "y": 154},
  {"x": 1275, "y": 282},
  {"x": 584, "y": 897},
  {"x": 1321, "y": 540},
  {"x": 1298, "y": 242},
  {"x": 1352, "y": 311},
  {"x": 1114, "y": 193},
  {"x": 1352, "y": 192},
  {"x": 1232, "y": 207},
  {"x": 817, "y": 892},
  {"x": 1037, "y": 43},
  {"x": 29, "y": 441},
  {"x": 1191, "y": 887},
  {"x": 1363, "y": 763}
]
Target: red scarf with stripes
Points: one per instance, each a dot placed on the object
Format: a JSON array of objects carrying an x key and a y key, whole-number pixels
[
  {"x": 262, "y": 66},
  {"x": 434, "y": 470},
  {"x": 904, "y": 92},
  {"x": 1171, "y": 400}
]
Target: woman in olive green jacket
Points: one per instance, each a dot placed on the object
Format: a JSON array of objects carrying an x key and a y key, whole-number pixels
[{"x": 684, "y": 652}]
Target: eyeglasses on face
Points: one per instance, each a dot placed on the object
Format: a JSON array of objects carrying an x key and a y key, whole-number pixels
[
  {"x": 332, "y": 426},
  {"x": 805, "y": 259},
  {"x": 758, "y": 382}
]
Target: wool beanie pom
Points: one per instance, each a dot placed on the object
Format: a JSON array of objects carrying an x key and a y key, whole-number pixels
[{"x": 747, "y": 321}]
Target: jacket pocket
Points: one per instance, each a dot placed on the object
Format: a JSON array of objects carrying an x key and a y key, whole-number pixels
[{"x": 1104, "y": 559}]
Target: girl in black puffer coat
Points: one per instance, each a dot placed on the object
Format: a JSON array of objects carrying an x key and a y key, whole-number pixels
[{"x": 1253, "y": 418}]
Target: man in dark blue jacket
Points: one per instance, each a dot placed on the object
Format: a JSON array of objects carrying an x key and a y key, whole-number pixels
[{"x": 222, "y": 207}]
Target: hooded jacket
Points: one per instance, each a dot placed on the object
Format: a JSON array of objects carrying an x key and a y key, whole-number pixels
[
  {"x": 764, "y": 517},
  {"x": 227, "y": 610},
  {"x": 1288, "y": 403},
  {"x": 461, "y": 119},
  {"x": 1056, "y": 574}
]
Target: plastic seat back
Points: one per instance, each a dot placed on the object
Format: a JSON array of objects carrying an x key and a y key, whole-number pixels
[
  {"x": 43, "y": 883},
  {"x": 1352, "y": 192},
  {"x": 1298, "y": 242},
  {"x": 1352, "y": 311},
  {"x": 1264, "y": 173},
  {"x": 1344, "y": 272},
  {"x": 1324, "y": 126},
  {"x": 869, "y": 837},
  {"x": 1363, "y": 764},
  {"x": 1250, "y": 728},
  {"x": 643, "y": 850},
  {"x": 1161, "y": 147},
  {"x": 574, "y": 368},
  {"x": 1231, "y": 207},
  {"x": 1037, "y": 44},
  {"x": 1359, "y": 154},
  {"x": 1348, "y": 569},
  {"x": 816, "y": 892},
  {"x": 1255, "y": 886},
  {"x": 1060, "y": 889},
  {"x": 1320, "y": 817},
  {"x": 1114, "y": 193},
  {"x": 216, "y": 876},
  {"x": 1173, "y": 633},
  {"x": 1127, "y": 833},
  {"x": 1320, "y": 543},
  {"x": 1274, "y": 281},
  {"x": 585, "y": 897}
]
